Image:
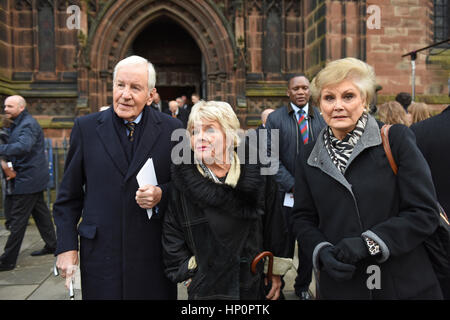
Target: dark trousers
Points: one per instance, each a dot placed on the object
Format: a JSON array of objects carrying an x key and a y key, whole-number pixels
[
  {"x": 7, "y": 206},
  {"x": 304, "y": 270},
  {"x": 22, "y": 206}
]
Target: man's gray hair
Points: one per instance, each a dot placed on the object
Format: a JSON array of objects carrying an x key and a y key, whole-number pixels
[{"x": 133, "y": 60}]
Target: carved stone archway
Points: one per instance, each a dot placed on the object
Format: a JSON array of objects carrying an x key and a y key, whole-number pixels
[{"x": 122, "y": 21}]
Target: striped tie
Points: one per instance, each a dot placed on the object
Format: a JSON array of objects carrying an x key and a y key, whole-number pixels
[
  {"x": 131, "y": 126},
  {"x": 303, "y": 124}
]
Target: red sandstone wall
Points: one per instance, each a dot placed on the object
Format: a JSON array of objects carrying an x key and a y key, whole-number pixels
[{"x": 406, "y": 25}]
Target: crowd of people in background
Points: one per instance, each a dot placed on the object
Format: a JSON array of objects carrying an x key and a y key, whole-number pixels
[
  {"x": 403, "y": 110},
  {"x": 179, "y": 107}
]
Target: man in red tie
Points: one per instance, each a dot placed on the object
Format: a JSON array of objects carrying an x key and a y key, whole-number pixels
[{"x": 298, "y": 123}]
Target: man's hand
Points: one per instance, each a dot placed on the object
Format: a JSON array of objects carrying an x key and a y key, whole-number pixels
[
  {"x": 66, "y": 261},
  {"x": 274, "y": 292},
  {"x": 148, "y": 196}
]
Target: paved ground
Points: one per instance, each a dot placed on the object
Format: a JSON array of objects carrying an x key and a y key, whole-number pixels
[{"x": 33, "y": 278}]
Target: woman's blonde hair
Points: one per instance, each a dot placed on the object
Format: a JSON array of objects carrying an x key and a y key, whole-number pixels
[
  {"x": 358, "y": 72},
  {"x": 218, "y": 111},
  {"x": 419, "y": 111},
  {"x": 392, "y": 112}
]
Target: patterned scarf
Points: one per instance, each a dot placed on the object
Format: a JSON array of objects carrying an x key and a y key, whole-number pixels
[
  {"x": 233, "y": 174},
  {"x": 341, "y": 150}
]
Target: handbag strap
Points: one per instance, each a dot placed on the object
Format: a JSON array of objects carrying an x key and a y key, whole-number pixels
[
  {"x": 443, "y": 214},
  {"x": 387, "y": 147}
]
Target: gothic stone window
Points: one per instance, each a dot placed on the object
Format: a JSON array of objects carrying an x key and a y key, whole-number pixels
[
  {"x": 272, "y": 40},
  {"x": 441, "y": 20},
  {"x": 46, "y": 36}
]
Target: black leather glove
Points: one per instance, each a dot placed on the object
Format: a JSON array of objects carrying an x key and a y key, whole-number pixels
[
  {"x": 183, "y": 272},
  {"x": 352, "y": 250},
  {"x": 337, "y": 270}
]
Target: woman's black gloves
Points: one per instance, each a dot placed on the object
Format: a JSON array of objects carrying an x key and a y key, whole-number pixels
[
  {"x": 336, "y": 269},
  {"x": 339, "y": 260},
  {"x": 352, "y": 250}
]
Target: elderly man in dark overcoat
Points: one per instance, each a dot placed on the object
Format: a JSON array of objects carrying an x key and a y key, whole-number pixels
[{"x": 120, "y": 246}]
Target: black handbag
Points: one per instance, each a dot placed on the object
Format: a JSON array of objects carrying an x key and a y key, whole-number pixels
[{"x": 438, "y": 243}]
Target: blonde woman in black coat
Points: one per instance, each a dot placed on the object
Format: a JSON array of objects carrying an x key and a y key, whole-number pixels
[
  {"x": 222, "y": 213},
  {"x": 363, "y": 226}
]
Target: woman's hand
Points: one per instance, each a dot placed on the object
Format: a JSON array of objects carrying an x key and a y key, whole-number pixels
[{"x": 274, "y": 292}]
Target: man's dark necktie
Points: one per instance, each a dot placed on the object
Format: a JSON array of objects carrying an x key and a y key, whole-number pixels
[{"x": 131, "y": 126}]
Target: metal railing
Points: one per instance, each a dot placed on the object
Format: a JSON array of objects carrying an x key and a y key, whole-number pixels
[{"x": 55, "y": 167}]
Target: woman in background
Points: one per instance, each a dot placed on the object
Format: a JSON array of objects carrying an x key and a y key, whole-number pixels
[
  {"x": 418, "y": 111},
  {"x": 392, "y": 112}
]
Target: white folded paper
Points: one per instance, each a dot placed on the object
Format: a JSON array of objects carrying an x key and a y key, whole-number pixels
[
  {"x": 147, "y": 175},
  {"x": 288, "y": 199}
]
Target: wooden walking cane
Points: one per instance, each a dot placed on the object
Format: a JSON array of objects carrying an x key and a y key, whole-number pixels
[{"x": 258, "y": 259}]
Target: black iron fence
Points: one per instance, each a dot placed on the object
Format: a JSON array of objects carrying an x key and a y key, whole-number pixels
[{"x": 56, "y": 153}]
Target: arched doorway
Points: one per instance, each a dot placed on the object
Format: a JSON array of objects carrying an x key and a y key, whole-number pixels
[
  {"x": 124, "y": 21},
  {"x": 176, "y": 57}
]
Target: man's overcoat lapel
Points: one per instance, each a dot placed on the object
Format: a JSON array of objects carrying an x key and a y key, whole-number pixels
[
  {"x": 111, "y": 141},
  {"x": 149, "y": 136}
]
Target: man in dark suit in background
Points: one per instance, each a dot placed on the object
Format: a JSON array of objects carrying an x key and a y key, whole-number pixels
[
  {"x": 185, "y": 104},
  {"x": 158, "y": 104},
  {"x": 433, "y": 139},
  {"x": 195, "y": 97},
  {"x": 404, "y": 99},
  {"x": 120, "y": 246},
  {"x": 298, "y": 123},
  {"x": 176, "y": 112}
]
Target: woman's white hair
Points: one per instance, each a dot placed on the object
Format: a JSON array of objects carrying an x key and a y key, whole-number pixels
[
  {"x": 133, "y": 60},
  {"x": 219, "y": 111}
]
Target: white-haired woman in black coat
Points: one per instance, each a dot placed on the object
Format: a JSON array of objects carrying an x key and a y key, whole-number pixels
[
  {"x": 363, "y": 226},
  {"x": 222, "y": 213}
]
